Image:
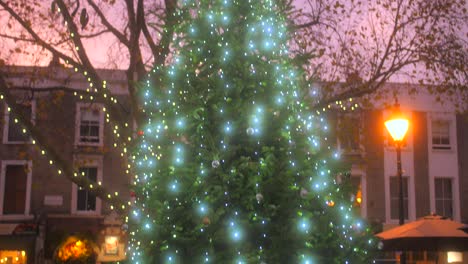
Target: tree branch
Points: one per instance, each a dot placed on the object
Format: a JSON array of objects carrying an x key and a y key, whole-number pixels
[
  {"x": 121, "y": 37},
  {"x": 37, "y": 38}
]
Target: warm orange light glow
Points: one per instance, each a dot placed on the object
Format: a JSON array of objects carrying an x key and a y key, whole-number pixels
[
  {"x": 73, "y": 248},
  {"x": 359, "y": 197},
  {"x": 397, "y": 128},
  {"x": 453, "y": 257},
  {"x": 13, "y": 256},
  {"x": 331, "y": 203}
]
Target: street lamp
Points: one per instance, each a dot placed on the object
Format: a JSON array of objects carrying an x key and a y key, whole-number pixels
[{"x": 397, "y": 126}]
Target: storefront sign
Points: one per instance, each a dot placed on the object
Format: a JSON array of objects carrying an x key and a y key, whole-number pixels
[
  {"x": 7, "y": 229},
  {"x": 25, "y": 229}
]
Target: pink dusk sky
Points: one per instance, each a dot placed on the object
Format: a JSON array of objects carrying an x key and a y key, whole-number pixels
[{"x": 98, "y": 48}]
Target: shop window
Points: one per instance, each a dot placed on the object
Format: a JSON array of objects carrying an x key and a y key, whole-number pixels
[
  {"x": 90, "y": 124},
  {"x": 394, "y": 198},
  {"x": 443, "y": 197},
  {"x": 440, "y": 134},
  {"x": 16, "y": 188},
  {"x": 13, "y": 131},
  {"x": 13, "y": 257}
]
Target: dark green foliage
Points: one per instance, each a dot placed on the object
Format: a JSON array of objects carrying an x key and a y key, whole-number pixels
[{"x": 229, "y": 150}]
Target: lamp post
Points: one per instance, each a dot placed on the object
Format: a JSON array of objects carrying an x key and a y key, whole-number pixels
[{"x": 397, "y": 126}]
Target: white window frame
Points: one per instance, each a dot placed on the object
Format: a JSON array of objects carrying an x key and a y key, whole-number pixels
[
  {"x": 447, "y": 167},
  {"x": 404, "y": 178},
  {"x": 87, "y": 161},
  {"x": 411, "y": 200},
  {"x": 442, "y": 147},
  {"x": 97, "y": 106},
  {"x": 6, "y": 123},
  {"x": 27, "y": 207},
  {"x": 433, "y": 195}
]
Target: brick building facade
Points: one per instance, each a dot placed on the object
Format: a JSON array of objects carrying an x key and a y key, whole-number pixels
[{"x": 39, "y": 208}]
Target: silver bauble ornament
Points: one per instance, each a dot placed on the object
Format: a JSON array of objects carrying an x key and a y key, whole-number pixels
[
  {"x": 259, "y": 197},
  {"x": 304, "y": 192},
  {"x": 250, "y": 131},
  {"x": 215, "y": 164}
]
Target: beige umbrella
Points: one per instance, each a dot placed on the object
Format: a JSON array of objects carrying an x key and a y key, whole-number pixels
[{"x": 430, "y": 233}]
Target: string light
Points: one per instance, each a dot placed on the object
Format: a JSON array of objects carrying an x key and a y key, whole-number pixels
[{"x": 227, "y": 115}]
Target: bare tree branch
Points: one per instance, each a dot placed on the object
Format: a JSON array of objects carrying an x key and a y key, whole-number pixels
[{"x": 121, "y": 37}]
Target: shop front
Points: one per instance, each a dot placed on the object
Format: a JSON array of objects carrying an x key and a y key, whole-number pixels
[
  {"x": 85, "y": 239},
  {"x": 18, "y": 243},
  {"x": 70, "y": 237}
]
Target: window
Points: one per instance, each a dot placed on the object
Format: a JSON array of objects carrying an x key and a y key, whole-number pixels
[
  {"x": 440, "y": 134},
  {"x": 443, "y": 196},
  {"x": 90, "y": 124},
  {"x": 13, "y": 132},
  {"x": 394, "y": 197},
  {"x": 83, "y": 201},
  {"x": 15, "y": 187},
  {"x": 357, "y": 189},
  {"x": 349, "y": 129}
]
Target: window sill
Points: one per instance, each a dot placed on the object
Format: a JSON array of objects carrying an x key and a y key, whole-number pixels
[
  {"x": 16, "y": 217},
  {"x": 85, "y": 144},
  {"x": 440, "y": 150},
  {"x": 17, "y": 142},
  {"x": 76, "y": 215}
]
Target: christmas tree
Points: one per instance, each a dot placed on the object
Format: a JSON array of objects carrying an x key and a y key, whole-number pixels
[{"x": 231, "y": 165}]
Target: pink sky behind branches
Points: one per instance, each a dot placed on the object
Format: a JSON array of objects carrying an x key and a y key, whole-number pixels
[
  {"x": 99, "y": 49},
  {"x": 102, "y": 48}
]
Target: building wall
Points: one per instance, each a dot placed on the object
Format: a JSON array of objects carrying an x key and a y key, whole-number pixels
[
  {"x": 421, "y": 161},
  {"x": 51, "y": 193},
  {"x": 373, "y": 131},
  {"x": 462, "y": 135},
  {"x": 57, "y": 122}
]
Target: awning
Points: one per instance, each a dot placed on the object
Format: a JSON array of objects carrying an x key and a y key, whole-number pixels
[{"x": 430, "y": 233}]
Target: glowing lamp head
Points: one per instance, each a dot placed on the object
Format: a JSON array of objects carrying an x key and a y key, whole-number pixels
[{"x": 397, "y": 125}]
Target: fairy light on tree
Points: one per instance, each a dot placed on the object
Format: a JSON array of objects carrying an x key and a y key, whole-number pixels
[{"x": 231, "y": 166}]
